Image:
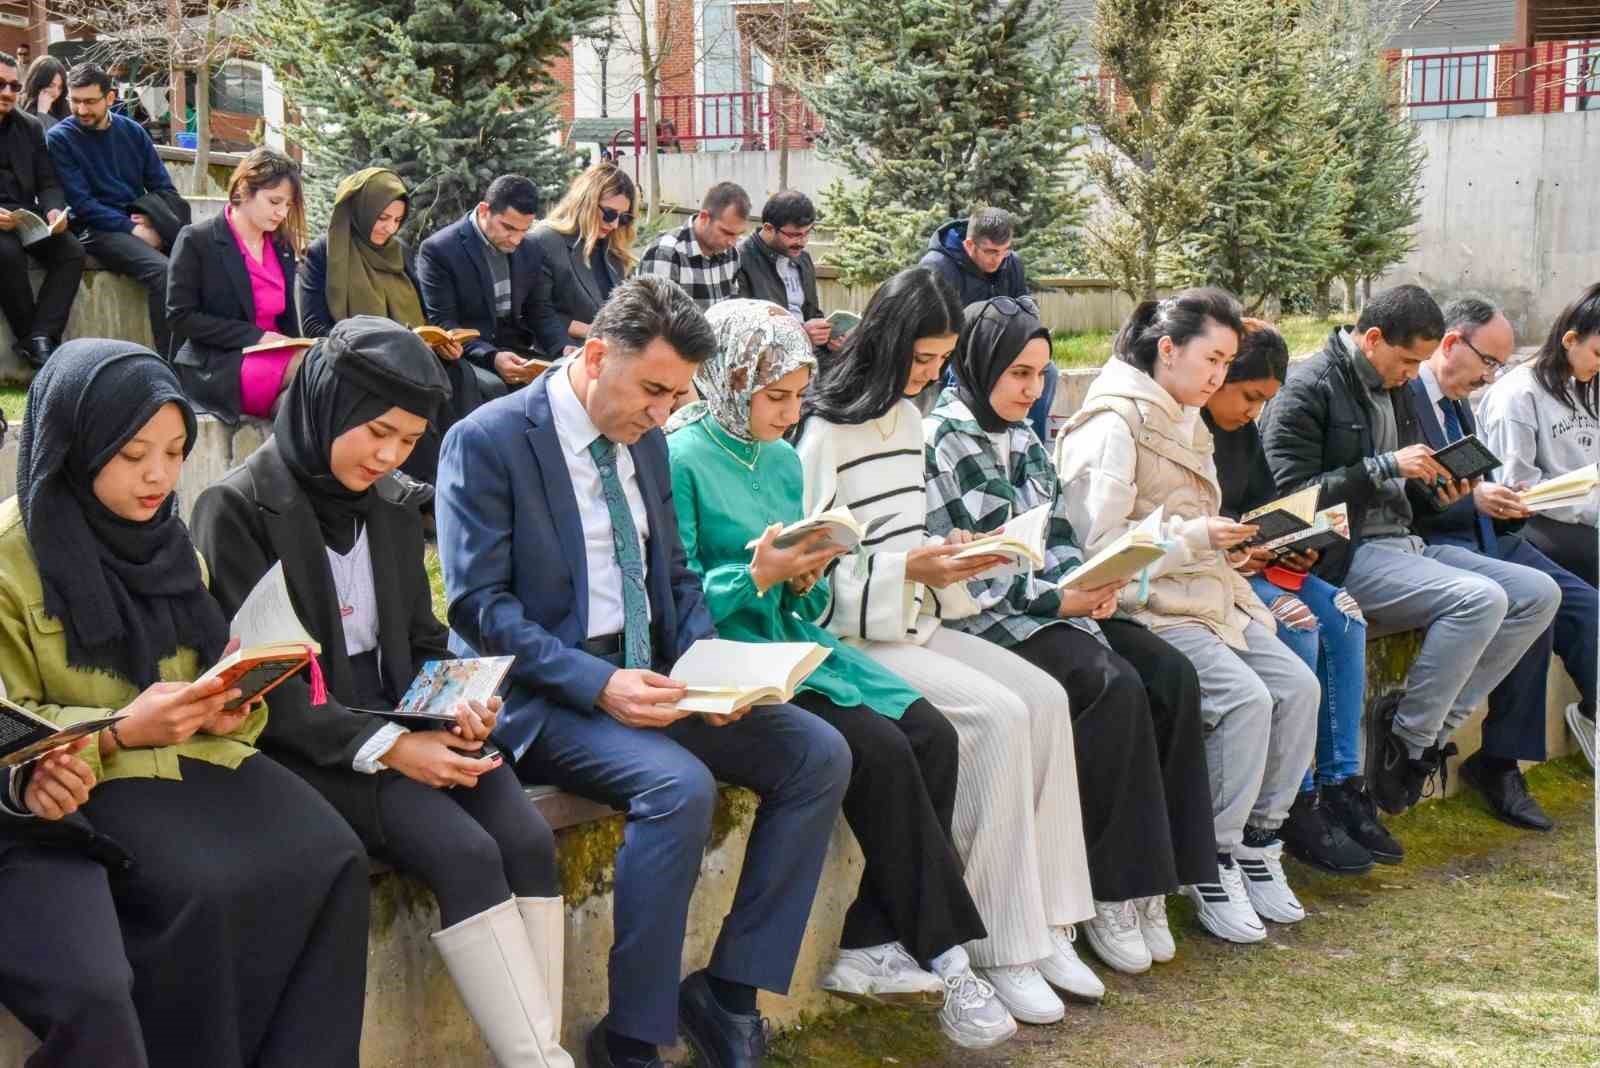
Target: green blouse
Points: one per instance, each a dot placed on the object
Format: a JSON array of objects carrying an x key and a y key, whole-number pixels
[{"x": 727, "y": 494}]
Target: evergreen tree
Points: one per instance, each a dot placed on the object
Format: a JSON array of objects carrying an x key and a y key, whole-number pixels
[
  {"x": 934, "y": 107},
  {"x": 447, "y": 93}
]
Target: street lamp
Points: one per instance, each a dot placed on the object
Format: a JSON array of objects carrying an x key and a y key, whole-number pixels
[{"x": 602, "y": 50}]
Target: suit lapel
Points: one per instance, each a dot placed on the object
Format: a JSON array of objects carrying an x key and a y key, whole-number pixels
[
  {"x": 233, "y": 264},
  {"x": 582, "y": 270},
  {"x": 1426, "y": 413},
  {"x": 558, "y": 494},
  {"x": 472, "y": 248}
]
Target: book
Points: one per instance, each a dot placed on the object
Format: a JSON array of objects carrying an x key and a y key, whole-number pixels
[
  {"x": 31, "y": 229},
  {"x": 1124, "y": 558},
  {"x": 273, "y": 643},
  {"x": 442, "y": 683},
  {"x": 724, "y": 676},
  {"x": 1570, "y": 488},
  {"x": 25, "y": 736},
  {"x": 1328, "y": 528},
  {"x": 842, "y": 527},
  {"x": 1468, "y": 458},
  {"x": 275, "y": 346},
  {"x": 1022, "y": 539},
  {"x": 1286, "y": 515},
  {"x": 438, "y": 335},
  {"x": 842, "y": 323}
]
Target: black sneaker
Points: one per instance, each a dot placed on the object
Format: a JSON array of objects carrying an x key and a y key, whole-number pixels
[
  {"x": 1311, "y": 837},
  {"x": 1350, "y": 806}
]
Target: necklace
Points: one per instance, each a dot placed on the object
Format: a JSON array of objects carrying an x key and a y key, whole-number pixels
[
  {"x": 893, "y": 425},
  {"x": 345, "y": 568},
  {"x": 748, "y": 465}
]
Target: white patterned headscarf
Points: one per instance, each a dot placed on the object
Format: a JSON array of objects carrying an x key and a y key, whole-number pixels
[{"x": 757, "y": 344}]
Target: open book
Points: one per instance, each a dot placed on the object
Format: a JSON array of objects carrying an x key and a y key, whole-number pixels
[
  {"x": 442, "y": 683},
  {"x": 842, "y": 527},
  {"x": 1022, "y": 539},
  {"x": 438, "y": 335},
  {"x": 31, "y": 229},
  {"x": 1570, "y": 488},
  {"x": 276, "y": 346},
  {"x": 1286, "y": 515},
  {"x": 1124, "y": 558},
  {"x": 1328, "y": 527},
  {"x": 724, "y": 676},
  {"x": 842, "y": 322},
  {"x": 1467, "y": 458},
  {"x": 25, "y": 736},
  {"x": 273, "y": 643}
]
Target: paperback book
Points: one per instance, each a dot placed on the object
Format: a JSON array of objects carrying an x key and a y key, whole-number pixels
[
  {"x": 724, "y": 676},
  {"x": 273, "y": 643},
  {"x": 1124, "y": 558},
  {"x": 25, "y": 736},
  {"x": 441, "y": 684}
]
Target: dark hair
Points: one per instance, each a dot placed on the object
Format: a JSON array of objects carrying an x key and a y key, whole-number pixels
[
  {"x": 1262, "y": 354},
  {"x": 789, "y": 208},
  {"x": 87, "y": 74},
  {"x": 41, "y": 72},
  {"x": 512, "y": 191},
  {"x": 993, "y": 225},
  {"x": 7, "y": 59},
  {"x": 1551, "y": 365},
  {"x": 644, "y": 309},
  {"x": 724, "y": 195},
  {"x": 868, "y": 376},
  {"x": 1182, "y": 317},
  {"x": 1466, "y": 314},
  {"x": 1404, "y": 315}
]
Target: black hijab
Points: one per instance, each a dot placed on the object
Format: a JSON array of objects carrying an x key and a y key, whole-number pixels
[
  {"x": 128, "y": 594},
  {"x": 364, "y": 367},
  {"x": 990, "y": 342}
]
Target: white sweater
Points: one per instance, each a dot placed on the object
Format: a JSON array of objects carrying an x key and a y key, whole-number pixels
[
  {"x": 1537, "y": 437},
  {"x": 858, "y": 467}
]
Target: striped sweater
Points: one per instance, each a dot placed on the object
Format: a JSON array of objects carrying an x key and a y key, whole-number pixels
[{"x": 874, "y": 475}]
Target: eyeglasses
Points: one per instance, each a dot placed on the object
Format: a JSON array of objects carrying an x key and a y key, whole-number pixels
[
  {"x": 1490, "y": 364},
  {"x": 612, "y": 215},
  {"x": 10, "y": 87},
  {"x": 1009, "y": 306}
]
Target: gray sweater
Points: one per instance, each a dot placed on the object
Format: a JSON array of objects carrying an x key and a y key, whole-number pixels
[{"x": 1538, "y": 437}]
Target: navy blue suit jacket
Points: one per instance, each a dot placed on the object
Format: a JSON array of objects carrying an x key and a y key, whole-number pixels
[
  {"x": 1458, "y": 523},
  {"x": 511, "y": 543},
  {"x": 458, "y": 292}
]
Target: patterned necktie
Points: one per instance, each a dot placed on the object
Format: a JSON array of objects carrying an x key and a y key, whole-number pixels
[
  {"x": 1453, "y": 433},
  {"x": 625, "y": 541}
]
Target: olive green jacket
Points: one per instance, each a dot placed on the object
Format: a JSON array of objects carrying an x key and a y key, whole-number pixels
[{"x": 33, "y": 665}]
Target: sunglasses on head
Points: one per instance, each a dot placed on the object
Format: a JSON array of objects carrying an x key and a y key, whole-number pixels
[
  {"x": 10, "y": 86},
  {"x": 612, "y": 215},
  {"x": 1009, "y": 306}
]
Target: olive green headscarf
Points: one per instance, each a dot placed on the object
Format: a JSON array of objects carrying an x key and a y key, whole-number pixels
[{"x": 364, "y": 279}]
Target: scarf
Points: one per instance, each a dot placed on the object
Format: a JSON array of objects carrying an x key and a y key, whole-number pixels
[
  {"x": 990, "y": 343},
  {"x": 128, "y": 594},
  {"x": 364, "y": 279},
  {"x": 757, "y": 344}
]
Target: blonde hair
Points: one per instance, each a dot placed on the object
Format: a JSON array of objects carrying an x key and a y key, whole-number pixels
[
  {"x": 262, "y": 169},
  {"x": 579, "y": 211}
]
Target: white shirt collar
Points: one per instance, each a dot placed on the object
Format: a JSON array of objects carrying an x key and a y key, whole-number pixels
[
  {"x": 573, "y": 425},
  {"x": 1431, "y": 384}
]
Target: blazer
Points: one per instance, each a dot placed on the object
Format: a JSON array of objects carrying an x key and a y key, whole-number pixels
[
  {"x": 211, "y": 309},
  {"x": 758, "y": 277},
  {"x": 316, "y": 318},
  {"x": 511, "y": 543},
  {"x": 31, "y": 168},
  {"x": 458, "y": 291},
  {"x": 257, "y": 515},
  {"x": 564, "y": 289},
  {"x": 1459, "y": 523}
]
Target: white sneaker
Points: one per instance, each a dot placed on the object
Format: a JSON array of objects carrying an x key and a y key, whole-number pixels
[
  {"x": 1153, "y": 925},
  {"x": 1223, "y": 907},
  {"x": 1114, "y": 934},
  {"x": 973, "y": 1017},
  {"x": 1063, "y": 970},
  {"x": 1582, "y": 728},
  {"x": 1025, "y": 994},
  {"x": 1264, "y": 881},
  {"x": 885, "y": 975}
]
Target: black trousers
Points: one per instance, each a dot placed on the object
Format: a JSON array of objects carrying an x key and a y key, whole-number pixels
[
  {"x": 1572, "y": 546},
  {"x": 900, "y": 803},
  {"x": 1142, "y": 780},
  {"x": 63, "y": 971},
  {"x": 45, "y": 316},
  {"x": 126, "y": 254}
]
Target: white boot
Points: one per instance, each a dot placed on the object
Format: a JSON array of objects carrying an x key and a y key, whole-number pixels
[
  {"x": 545, "y": 920},
  {"x": 502, "y": 983}
]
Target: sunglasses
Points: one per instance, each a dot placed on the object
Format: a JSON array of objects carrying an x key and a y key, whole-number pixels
[
  {"x": 10, "y": 87},
  {"x": 623, "y": 219},
  {"x": 1009, "y": 306}
]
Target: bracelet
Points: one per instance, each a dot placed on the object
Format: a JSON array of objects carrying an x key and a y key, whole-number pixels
[{"x": 115, "y": 737}]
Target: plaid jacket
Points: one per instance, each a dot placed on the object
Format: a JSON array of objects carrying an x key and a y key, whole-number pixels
[
  {"x": 676, "y": 256},
  {"x": 967, "y": 490}
]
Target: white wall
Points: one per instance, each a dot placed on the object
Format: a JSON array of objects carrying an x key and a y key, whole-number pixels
[{"x": 686, "y": 176}]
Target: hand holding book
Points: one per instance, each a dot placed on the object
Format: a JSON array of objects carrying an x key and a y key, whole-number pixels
[
  {"x": 770, "y": 565},
  {"x": 60, "y": 782}
]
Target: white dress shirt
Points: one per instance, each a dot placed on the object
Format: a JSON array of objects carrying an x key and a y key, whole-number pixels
[{"x": 577, "y": 432}]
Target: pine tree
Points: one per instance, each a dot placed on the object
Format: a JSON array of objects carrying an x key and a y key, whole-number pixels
[
  {"x": 447, "y": 93},
  {"x": 933, "y": 107}
]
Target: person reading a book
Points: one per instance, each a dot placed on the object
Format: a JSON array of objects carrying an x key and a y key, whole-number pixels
[
  {"x": 427, "y": 801},
  {"x": 1017, "y": 824},
  {"x": 700, "y": 256},
  {"x": 1479, "y": 340},
  {"x": 1134, "y": 700},
  {"x": 560, "y": 547},
  {"x": 28, "y": 183},
  {"x": 231, "y": 287},
  {"x": 1138, "y": 445},
  {"x": 244, "y": 917},
  {"x": 1343, "y": 423},
  {"x": 1333, "y": 823},
  {"x": 585, "y": 249},
  {"x": 774, "y": 264}
]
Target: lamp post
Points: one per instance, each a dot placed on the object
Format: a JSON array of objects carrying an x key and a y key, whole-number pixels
[{"x": 602, "y": 50}]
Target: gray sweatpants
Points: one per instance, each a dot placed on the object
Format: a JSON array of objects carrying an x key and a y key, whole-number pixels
[
  {"x": 1259, "y": 709},
  {"x": 1480, "y": 615}
]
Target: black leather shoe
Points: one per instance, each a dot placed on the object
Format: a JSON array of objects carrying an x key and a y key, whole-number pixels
[
  {"x": 598, "y": 1054},
  {"x": 1507, "y": 794},
  {"x": 719, "y": 1038},
  {"x": 37, "y": 350}
]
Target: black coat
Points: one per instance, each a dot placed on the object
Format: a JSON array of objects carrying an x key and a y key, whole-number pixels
[
  {"x": 257, "y": 515},
  {"x": 458, "y": 291},
  {"x": 564, "y": 288},
  {"x": 316, "y": 318},
  {"x": 758, "y": 277},
  {"x": 211, "y": 310},
  {"x": 33, "y": 176}
]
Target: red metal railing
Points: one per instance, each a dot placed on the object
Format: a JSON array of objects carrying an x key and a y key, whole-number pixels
[
  {"x": 1541, "y": 78},
  {"x": 746, "y": 121}
]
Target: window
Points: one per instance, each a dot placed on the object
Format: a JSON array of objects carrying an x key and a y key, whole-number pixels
[
  {"x": 1442, "y": 83},
  {"x": 236, "y": 87}
]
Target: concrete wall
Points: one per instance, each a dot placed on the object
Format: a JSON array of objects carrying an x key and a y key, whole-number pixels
[
  {"x": 1509, "y": 211},
  {"x": 685, "y": 176}
]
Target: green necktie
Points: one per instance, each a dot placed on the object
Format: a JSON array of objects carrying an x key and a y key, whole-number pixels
[{"x": 625, "y": 541}]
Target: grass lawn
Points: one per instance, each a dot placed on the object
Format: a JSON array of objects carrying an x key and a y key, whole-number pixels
[
  {"x": 12, "y": 401},
  {"x": 1304, "y": 333}
]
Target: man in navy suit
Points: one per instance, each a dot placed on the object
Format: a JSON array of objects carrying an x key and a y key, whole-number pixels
[
  {"x": 477, "y": 273},
  {"x": 560, "y": 547},
  {"x": 1478, "y": 341}
]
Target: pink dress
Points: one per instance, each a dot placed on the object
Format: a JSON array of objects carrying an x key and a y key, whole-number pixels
[{"x": 262, "y": 372}]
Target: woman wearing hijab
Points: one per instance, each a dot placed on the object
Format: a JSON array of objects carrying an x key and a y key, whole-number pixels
[
  {"x": 1019, "y": 835},
  {"x": 244, "y": 914},
  {"x": 1135, "y": 701},
  {"x": 428, "y": 801},
  {"x": 736, "y": 483}
]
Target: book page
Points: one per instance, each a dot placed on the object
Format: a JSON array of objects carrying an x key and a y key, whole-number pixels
[
  {"x": 1574, "y": 484},
  {"x": 719, "y": 664},
  {"x": 1028, "y": 529},
  {"x": 267, "y": 616}
]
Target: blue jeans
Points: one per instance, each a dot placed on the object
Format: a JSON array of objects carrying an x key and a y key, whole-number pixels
[{"x": 1336, "y": 649}]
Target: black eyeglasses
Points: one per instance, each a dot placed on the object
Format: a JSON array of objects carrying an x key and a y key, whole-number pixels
[
  {"x": 1492, "y": 365},
  {"x": 11, "y": 87},
  {"x": 1009, "y": 306},
  {"x": 612, "y": 215}
]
